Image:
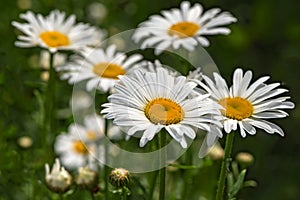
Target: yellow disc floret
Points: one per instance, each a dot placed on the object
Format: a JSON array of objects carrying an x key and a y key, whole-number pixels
[
  {"x": 236, "y": 108},
  {"x": 79, "y": 147},
  {"x": 163, "y": 111},
  {"x": 108, "y": 70},
  {"x": 184, "y": 29},
  {"x": 54, "y": 39},
  {"x": 91, "y": 135}
]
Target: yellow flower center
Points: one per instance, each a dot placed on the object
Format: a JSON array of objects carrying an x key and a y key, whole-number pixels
[
  {"x": 54, "y": 39},
  {"x": 79, "y": 147},
  {"x": 163, "y": 111},
  {"x": 184, "y": 29},
  {"x": 91, "y": 135},
  {"x": 236, "y": 108},
  {"x": 108, "y": 70}
]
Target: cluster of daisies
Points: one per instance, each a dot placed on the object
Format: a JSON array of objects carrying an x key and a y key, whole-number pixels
[{"x": 145, "y": 100}]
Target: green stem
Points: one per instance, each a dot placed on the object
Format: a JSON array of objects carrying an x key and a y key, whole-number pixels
[
  {"x": 106, "y": 169},
  {"x": 154, "y": 175},
  {"x": 49, "y": 109},
  {"x": 225, "y": 165},
  {"x": 92, "y": 195},
  {"x": 124, "y": 194},
  {"x": 152, "y": 186},
  {"x": 187, "y": 173},
  {"x": 61, "y": 197},
  {"x": 162, "y": 172}
]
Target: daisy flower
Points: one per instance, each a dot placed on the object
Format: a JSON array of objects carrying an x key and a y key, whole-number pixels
[
  {"x": 73, "y": 151},
  {"x": 76, "y": 146},
  {"x": 92, "y": 129},
  {"x": 182, "y": 27},
  {"x": 55, "y": 32},
  {"x": 79, "y": 144},
  {"x": 100, "y": 67},
  {"x": 148, "y": 102},
  {"x": 248, "y": 105}
]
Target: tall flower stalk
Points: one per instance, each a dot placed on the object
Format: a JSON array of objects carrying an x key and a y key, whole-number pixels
[
  {"x": 158, "y": 103},
  {"x": 225, "y": 165},
  {"x": 106, "y": 169},
  {"x": 49, "y": 103},
  {"x": 54, "y": 32},
  {"x": 245, "y": 107},
  {"x": 162, "y": 139}
]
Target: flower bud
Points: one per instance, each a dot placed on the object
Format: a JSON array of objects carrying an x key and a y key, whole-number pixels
[
  {"x": 59, "y": 180},
  {"x": 216, "y": 153},
  {"x": 195, "y": 74},
  {"x": 87, "y": 178},
  {"x": 25, "y": 142},
  {"x": 119, "y": 177},
  {"x": 245, "y": 159}
]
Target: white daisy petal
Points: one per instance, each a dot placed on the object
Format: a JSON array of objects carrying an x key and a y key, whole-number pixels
[
  {"x": 270, "y": 115},
  {"x": 254, "y": 86},
  {"x": 151, "y": 131},
  {"x": 242, "y": 129},
  {"x": 215, "y": 31},
  {"x": 246, "y": 105},
  {"x": 269, "y": 95},
  {"x": 223, "y": 18},
  {"x": 237, "y": 79},
  {"x": 188, "y": 131},
  {"x": 276, "y": 128},
  {"x": 209, "y": 14},
  {"x": 248, "y": 127},
  {"x": 262, "y": 91},
  {"x": 91, "y": 84},
  {"x": 184, "y": 26},
  {"x": 134, "y": 129},
  {"x": 159, "y": 100},
  {"x": 230, "y": 125},
  {"x": 100, "y": 67},
  {"x": 209, "y": 141},
  {"x": 143, "y": 141},
  {"x": 55, "y": 32}
]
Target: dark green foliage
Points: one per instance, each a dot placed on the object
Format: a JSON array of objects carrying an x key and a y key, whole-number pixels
[{"x": 265, "y": 39}]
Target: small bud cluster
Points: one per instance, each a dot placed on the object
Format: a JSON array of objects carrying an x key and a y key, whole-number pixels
[{"x": 119, "y": 177}]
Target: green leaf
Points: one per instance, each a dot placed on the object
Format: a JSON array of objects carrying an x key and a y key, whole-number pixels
[
  {"x": 184, "y": 166},
  {"x": 230, "y": 182},
  {"x": 39, "y": 117},
  {"x": 238, "y": 184},
  {"x": 250, "y": 183},
  {"x": 235, "y": 169}
]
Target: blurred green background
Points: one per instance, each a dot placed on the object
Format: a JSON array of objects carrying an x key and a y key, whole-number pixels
[{"x": 266, "y": 39}]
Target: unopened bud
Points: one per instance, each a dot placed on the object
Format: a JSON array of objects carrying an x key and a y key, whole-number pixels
[
  {"x": 119, "y": 177},
  {"x": 216, "y": 153},
  {"x": 245, "y": 159},
  {"x": 196, "y": 74},
  {"x": 87, "y": 178},
  {"x": 59, "y": 180},
  {"x": 25, "y": 142}
]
